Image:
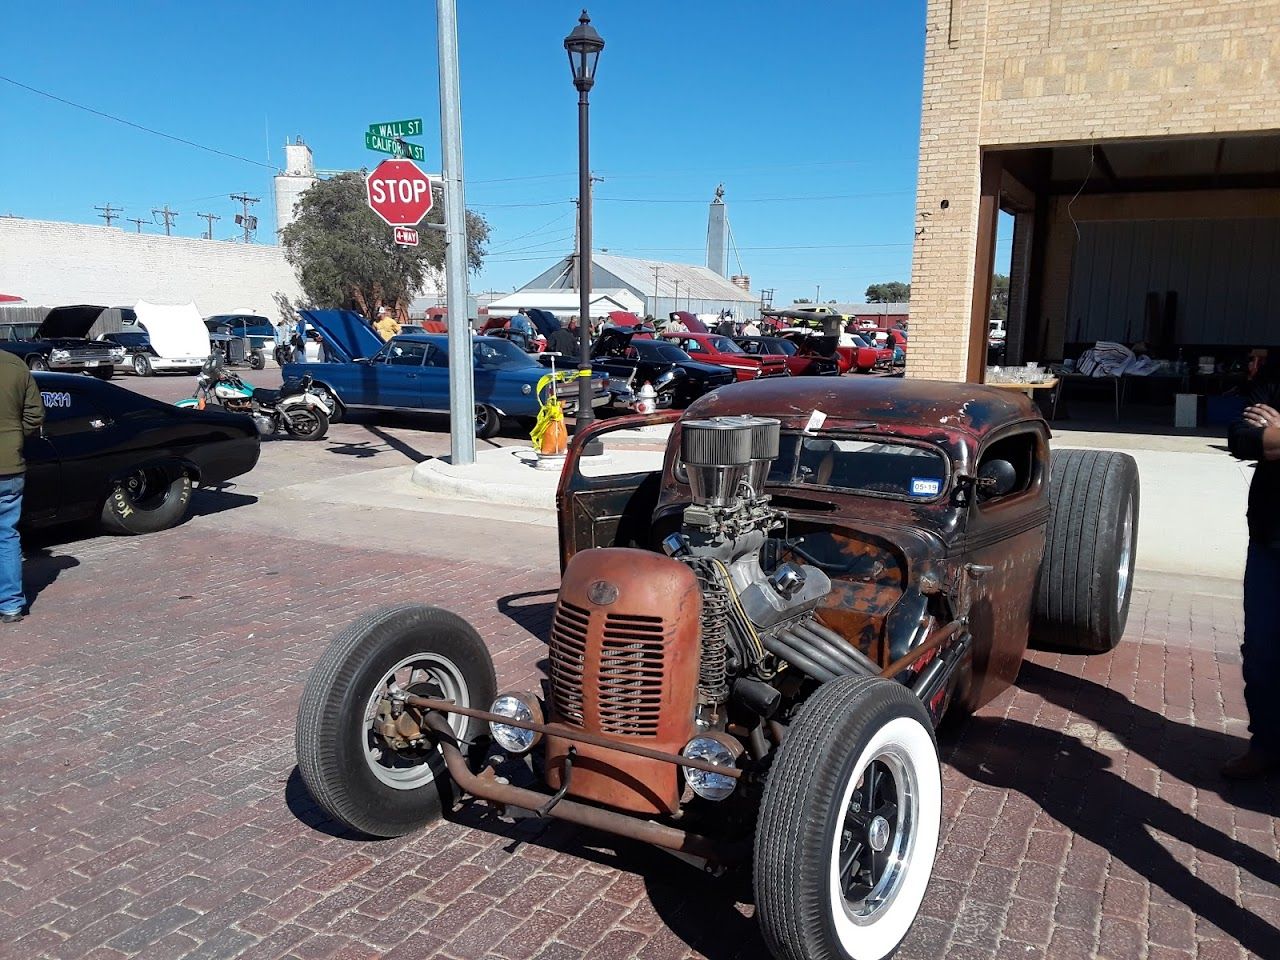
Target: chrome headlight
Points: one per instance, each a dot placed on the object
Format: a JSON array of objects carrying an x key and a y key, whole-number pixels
[
  {"x": 59, "y": 355},
  {"x": 719, "y": 749},
  {"x": 523, "y": 707},
  {"x": 117, "y": 353}
]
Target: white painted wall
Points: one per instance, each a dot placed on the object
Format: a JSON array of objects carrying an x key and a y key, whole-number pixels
[{"x": 51, "y": 263}]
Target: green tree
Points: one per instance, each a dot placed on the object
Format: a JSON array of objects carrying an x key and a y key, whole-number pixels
[
  {"x": 999, "y": 297},
  {"x": 894, "y": 291},
  {"x": 346, "y": 257}
]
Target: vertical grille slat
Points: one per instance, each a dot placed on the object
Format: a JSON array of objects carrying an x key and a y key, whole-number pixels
[{"x": 630, "y": 677}]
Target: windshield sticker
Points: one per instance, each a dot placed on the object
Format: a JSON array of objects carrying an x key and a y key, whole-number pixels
[
  {"x": 925, "y": 487},
  {"x": 52, "y": 399}
]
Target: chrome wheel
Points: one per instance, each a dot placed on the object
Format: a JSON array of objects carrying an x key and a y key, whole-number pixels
[
  {"x": 877, "y": 836},
  {"x": 1126, "y": 557},
  {"x": 427, "y": 675}
]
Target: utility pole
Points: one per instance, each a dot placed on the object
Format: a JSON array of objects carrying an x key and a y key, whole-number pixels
[
  {"x": 675, "y": 298},
  {"x": 109, "y": 212},
  {"x": 245, "y": 220},
  {"x": 462, "y": 409},
  {"x": 210, "y": 217},
  {"x": 817, "y": 294},
  {"x": 577, "y": 225},
  {"x": 169, "y": 217},
  {"x": 654, "y": 310},
  {"x": 138, "y": 221}
]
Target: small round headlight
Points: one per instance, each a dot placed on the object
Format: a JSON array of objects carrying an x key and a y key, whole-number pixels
[
  {"x": 720, "y": 750},
  {"x": 518, "y": 706}
]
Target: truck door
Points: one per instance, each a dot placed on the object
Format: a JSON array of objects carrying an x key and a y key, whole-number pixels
[
  {"x": 1003, "y": 547},
  {"x": 611, "y": 504}
]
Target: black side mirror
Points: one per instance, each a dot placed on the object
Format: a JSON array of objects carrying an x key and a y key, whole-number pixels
[{"x": 996, "y": 478}]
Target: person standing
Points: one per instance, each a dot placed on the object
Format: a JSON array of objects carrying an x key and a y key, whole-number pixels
[
  {"x": 386, "y": 325},
  {"x": 21, "y": 415},
  {"x": 1256, "y": 436}
]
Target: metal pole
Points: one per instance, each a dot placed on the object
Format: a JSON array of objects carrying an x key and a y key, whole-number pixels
[
  {"x": 585, "y": 413},
  {"x": 462, "y": 409}
]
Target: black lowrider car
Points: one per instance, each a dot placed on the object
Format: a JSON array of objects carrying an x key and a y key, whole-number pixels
[
  {"x": 59, "y": 342},
  {"x": 632, "y": 360},
  {"x": 128, "y": 460}
]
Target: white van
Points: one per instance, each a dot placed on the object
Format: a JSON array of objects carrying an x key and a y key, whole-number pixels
[{"x": 178, "y": 337}]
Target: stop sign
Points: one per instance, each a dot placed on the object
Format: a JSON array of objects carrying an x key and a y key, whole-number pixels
[{"x": 399, "y": 192}]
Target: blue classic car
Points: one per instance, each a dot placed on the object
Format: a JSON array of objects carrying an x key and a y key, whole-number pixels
[{"x": 411, "y": 372}]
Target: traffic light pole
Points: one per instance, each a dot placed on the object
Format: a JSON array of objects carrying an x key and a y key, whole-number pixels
[{"x": 462, "y": 416}]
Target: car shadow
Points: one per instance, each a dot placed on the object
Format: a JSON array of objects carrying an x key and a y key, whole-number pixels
[
  {"x": 307, "y": 812},
  {"x": 40, "y": 568},
  {"x": 1080, "y": 789},
  {"x": 211, "y": 500},
  {"x": 531, "y": 611},
  {"x": 1191, "y": 754}
]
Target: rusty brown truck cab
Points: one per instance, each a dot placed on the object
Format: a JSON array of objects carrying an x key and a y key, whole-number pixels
[{"x": 753, "y": 643}]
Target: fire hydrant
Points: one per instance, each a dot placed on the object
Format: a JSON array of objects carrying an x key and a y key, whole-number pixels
[{"x": 646, "y": 399}]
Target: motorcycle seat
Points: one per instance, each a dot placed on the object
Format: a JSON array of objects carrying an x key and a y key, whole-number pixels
[{"x": 265, "y": 396}]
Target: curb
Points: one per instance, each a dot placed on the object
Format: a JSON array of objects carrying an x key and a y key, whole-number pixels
[{"x": 506, "y": 475}]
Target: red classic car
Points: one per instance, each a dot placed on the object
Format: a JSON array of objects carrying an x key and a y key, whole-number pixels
[
  {"x": 713, "y": 348},
  {"x": 850, "y": 351},
  {"x": 802, "y": 360}
]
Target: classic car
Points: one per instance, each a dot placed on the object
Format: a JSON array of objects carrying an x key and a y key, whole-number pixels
[
  {"x": 752, "y": 646},
  {"x": 130, "y": 462},
  {"x": 59, "y": 342},
  {"x": 632, "y": 358},
  {"x": 802, "y": 359},
  {"x": 135, "y": 344},
  {"x": 412, "y": 373},
  {"x": 850, "y": 350},
  {"x": 713, "y": 348},
  {"x": 256, "y": 337},
  {"x": 177, "y": 337}
]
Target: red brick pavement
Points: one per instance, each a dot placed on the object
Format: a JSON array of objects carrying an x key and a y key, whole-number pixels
[{"x": 149, "y": 805}]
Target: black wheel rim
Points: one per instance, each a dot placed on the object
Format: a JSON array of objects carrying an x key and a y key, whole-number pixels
[
  {"x": 482, "y": 418},
  {"x": 305, "y": 422},
  {"x": 146, "y": 489},
  {"x": 876, "y": 837}
]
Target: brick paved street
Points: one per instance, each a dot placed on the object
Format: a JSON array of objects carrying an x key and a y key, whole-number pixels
[{"x": 150, "y": 807}]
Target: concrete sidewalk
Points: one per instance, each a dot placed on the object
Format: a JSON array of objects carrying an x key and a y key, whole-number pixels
[{"x": 1193, "y": 493}]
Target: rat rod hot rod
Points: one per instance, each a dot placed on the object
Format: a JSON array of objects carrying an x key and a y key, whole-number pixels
[{"x": 751, "y": 647}]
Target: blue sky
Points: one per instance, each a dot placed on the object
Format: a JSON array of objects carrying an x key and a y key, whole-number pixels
[{"x": 808, "y": 113}]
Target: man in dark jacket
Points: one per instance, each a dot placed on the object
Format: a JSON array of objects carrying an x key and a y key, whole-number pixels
[
  {"x": 1257, "y": 437},
  {"x": 565, "y": 339},
  {"x": 21, "y": 414}
]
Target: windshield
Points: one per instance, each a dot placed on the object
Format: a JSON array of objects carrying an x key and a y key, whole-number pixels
[
  {"x": 656, "y": 350},
  {"x": 778, "y": 345},
  {"x": 21, "y": 331},
  {"x": 495, "y": 354},
  {"x": 860, "y": 465},
  {"x": 724, "y": 345}
]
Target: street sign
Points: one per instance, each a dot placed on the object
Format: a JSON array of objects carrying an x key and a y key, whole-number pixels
[
  {"x": 399, "y": 192},
  {"x": 397, "y": 128},
  {"x": 406, "y": 236},
  {"x": 391, "y": 145}
]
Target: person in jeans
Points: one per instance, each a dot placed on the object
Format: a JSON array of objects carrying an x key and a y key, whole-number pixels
[
  {"x": 1256, "y": 436},
  {"x": 21, "y": 414}
]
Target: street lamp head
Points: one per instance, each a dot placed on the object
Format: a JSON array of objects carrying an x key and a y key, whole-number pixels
[{"x": 583, "y": 46}]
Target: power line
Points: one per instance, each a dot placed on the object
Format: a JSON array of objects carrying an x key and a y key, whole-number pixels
[
  {"x": 169, "y": 217},
  {"x": 136, "y": 126},
  {"x": 210, "y": 217},
  {"x": 109, "y": 212},
  {"x": 245, "y": 220}
]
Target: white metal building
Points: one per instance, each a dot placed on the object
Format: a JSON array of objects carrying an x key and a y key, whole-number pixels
[{"x": 660, "y": 286}]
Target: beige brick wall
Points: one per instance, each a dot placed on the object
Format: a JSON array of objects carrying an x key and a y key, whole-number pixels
[{"x": 1015, "y": 73}]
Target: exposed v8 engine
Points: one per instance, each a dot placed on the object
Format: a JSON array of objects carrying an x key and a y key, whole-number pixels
[{"x": 755, "y": 612}]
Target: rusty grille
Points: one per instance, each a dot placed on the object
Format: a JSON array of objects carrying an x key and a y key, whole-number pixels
[
  {"x": 631, "y": 672},
  {"x": 629, "y": 680},
  {"x": 567, "y": 658}
]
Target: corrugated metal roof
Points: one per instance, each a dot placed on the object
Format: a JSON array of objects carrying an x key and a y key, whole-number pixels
[
  {"x": 699, "y": 283},
  {"x": 856, "y": 308}
]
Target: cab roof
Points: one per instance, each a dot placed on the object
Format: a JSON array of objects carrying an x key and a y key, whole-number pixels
[{"x": 894, "y": 404}]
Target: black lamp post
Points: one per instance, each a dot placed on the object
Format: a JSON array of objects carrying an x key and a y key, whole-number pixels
[{"x": 584, "y": 46}]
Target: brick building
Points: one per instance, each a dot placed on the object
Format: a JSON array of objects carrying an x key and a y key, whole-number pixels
[{"x": 1136, "y": 146}]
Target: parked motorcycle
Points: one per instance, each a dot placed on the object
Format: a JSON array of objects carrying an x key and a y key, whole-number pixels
[{"x": 294, "y": 409}]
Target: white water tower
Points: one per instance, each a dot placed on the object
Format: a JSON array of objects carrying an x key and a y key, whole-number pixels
[{"x": 299, "y": 174}]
